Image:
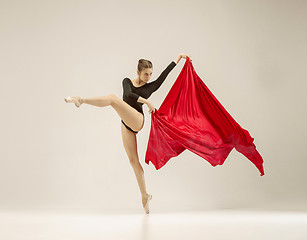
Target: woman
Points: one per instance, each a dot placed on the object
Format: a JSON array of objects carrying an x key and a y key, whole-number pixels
[{"x": 130, "y": 110}]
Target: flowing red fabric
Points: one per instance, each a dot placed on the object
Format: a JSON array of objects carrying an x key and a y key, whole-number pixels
[{"x": 192, "y": 118}]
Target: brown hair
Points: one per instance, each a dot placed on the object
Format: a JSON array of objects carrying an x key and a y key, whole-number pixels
[{"x": 143, "y": 63}]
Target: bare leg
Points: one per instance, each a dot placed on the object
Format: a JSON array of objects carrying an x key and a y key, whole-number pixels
[
  {"x": 133, "y": 118},
  {"x": 130, "y": 144},
  {"x": 101, "y": 101},
  {"x": 139, "y": 173}
]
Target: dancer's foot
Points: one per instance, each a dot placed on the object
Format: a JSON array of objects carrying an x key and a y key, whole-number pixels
[
  {"x": 145, "y": 200},
  {"x": 76, "y": 100}
]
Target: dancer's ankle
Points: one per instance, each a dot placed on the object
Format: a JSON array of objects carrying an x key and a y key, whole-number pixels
[{"x": 144, "y": 194}]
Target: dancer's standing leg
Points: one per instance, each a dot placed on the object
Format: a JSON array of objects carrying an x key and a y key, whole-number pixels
[{"x": 130, "y": 144}]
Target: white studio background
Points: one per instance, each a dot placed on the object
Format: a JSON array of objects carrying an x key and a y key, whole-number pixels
[{"x": 251, "y": 55}]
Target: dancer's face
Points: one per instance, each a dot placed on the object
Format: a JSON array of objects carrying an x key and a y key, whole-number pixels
[{"x": 145, "y": 74}]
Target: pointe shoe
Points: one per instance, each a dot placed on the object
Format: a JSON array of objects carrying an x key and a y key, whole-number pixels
[
  {"x": 146, "y": 207},
  {"x": 74, "y": 100}
]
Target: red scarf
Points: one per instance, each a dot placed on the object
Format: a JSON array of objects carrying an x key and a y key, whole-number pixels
[{"x": 192, "y": 118}]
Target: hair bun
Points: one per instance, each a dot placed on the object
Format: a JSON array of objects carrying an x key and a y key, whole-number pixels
[{"x": 143, "y": 63}]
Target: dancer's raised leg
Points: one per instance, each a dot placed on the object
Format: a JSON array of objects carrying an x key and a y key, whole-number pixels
[
  {"x": 133, "y": 118},
  {"x": 101, "y": 101}
]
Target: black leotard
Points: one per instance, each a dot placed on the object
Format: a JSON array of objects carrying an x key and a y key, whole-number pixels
[{"x": 131, "y": 93}]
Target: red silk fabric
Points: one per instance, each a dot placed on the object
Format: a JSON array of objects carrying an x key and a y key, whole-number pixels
[{"x": 192, "y": 118}]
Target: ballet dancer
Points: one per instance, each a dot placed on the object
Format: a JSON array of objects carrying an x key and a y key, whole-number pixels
[{"x": 135, "y": 93}]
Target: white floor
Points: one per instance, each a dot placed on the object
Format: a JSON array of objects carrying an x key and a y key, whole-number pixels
[{"x": 211, "y": 225}]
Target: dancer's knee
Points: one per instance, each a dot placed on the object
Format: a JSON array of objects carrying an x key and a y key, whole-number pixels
[
  {"x": 136, "y": 165},
  {"x": 113, "y": 98},
  {"x": 133, "y": 161}
]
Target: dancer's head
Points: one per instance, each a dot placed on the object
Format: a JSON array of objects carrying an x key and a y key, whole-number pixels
[{"x": 144, "y": 70}]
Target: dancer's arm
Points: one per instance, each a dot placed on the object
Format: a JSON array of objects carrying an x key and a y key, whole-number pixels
[
  {"x": 177, "y": 59},
  {"x": 157, "y": 83},
  {"x": 154, "y": 85},
  {"x": 128, "y": 91}
]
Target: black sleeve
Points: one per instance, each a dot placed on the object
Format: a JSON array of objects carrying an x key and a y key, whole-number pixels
[
  {"x": 157, "y": 83},
  {"x": 127, "y": 90}
]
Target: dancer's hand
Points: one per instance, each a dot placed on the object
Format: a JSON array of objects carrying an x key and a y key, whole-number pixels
[
  {"x": 185, "y": 56},
  {"x": 151, "y": 107}
]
